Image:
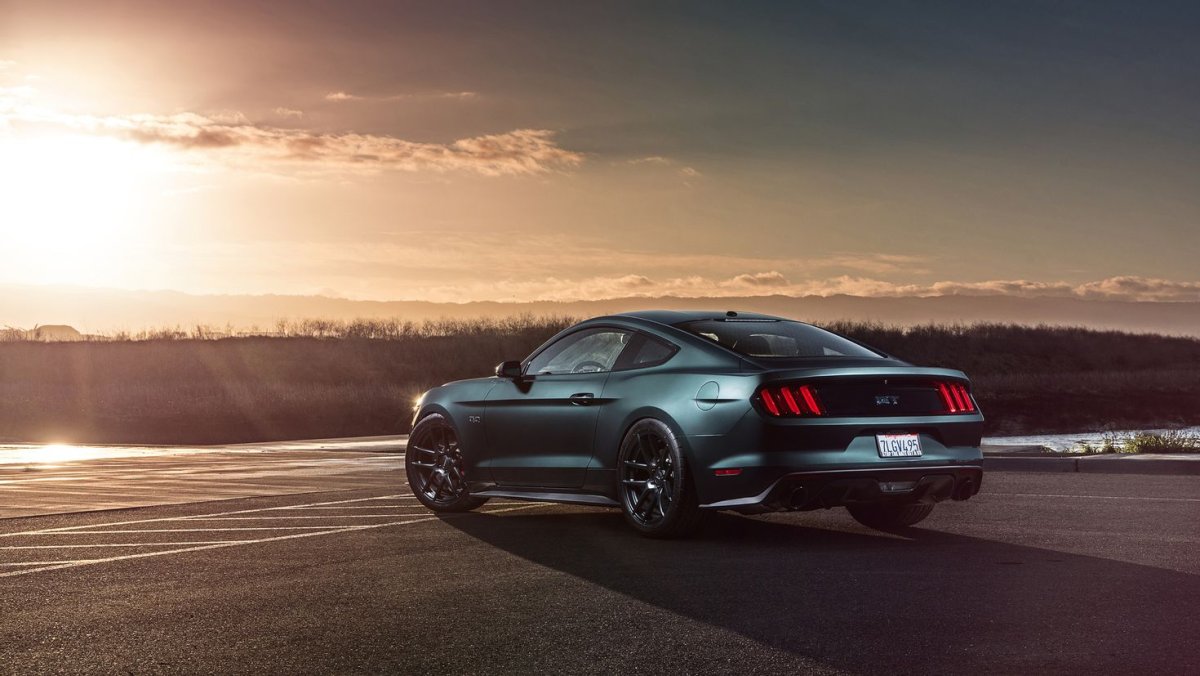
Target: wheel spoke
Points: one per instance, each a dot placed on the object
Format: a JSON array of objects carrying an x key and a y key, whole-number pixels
[
  {"x": 637, "y": 465},
  {"x": 428, "y": 465},
  {"x": 663, "y": 455},
  {"x": 647, "y": 446},
  {"x": 644, "y": 500},
  {"x": 635, "y": 482},
  {"x": 661, "y": 503},
  {"x": 418, "y": 449},
  {"x": 432, "y": 485},
  {"x": 455, "y": 478}
]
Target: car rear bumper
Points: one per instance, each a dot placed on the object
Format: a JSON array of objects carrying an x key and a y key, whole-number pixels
[
  {"x": 834, "y": 488},
  {"x": 756, "y": 462}
]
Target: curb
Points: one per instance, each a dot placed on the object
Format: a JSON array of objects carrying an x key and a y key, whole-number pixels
[{"x": 1095, "y": 465}]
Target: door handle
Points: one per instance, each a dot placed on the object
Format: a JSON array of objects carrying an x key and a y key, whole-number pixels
[{"x": 582, "y": 398}]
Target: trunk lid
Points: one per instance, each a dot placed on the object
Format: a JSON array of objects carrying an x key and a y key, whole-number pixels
[{"x": 876, "y": 391}]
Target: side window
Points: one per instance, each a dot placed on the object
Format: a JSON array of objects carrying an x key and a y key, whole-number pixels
[
  {"x": 587, "y": 351},
  {"x": 645, "y": 351}
]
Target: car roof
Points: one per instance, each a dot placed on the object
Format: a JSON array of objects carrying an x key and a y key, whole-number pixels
[{"x": 670, "y": 317}]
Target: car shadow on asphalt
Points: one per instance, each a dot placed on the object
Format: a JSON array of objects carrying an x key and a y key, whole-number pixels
[{"x": 866, "y": 601}]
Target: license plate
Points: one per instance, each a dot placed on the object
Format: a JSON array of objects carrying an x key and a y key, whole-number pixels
[{"x": 898, "y": 445}]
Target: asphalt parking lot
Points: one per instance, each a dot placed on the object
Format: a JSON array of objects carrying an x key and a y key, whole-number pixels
[{"x": 344, "y": 572}]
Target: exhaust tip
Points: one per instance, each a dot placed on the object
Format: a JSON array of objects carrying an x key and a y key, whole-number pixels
[
  {"x": 964, "y": 490},
  {"x": 798, "y": 497}
]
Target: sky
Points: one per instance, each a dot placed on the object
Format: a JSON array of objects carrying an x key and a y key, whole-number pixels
[{"x": 457, "y": 151}]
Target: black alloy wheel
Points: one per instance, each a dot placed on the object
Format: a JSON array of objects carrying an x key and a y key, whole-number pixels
[
  {"x": 434, "y": 464},
  {"x": 656, "y": 493}
]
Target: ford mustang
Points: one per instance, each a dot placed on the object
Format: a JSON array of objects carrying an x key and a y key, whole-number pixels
[{"x": 669, "y": 415}]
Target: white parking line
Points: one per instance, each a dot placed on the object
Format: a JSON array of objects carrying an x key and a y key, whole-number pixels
[
  {"x": 180, "y": 518},
  {"x": 184, "y": 530},
  {"x": 411, "y": 504},
  {"x": 288, "y": 517},
  {"x": 45, "y": 563},
  {"x": 222, "y": 545},
  {"x": 122, "y": 544},
  {"x": 414, "y": 503}
]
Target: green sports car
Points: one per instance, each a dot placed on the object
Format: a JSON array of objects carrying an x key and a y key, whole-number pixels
[{"x": 668, "y": 415}]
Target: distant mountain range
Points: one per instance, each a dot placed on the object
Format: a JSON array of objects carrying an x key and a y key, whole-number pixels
[{"x": 105, "y": 310}]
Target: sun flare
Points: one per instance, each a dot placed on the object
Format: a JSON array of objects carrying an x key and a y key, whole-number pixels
[
  {"x": 71, "y": 205},
  {"x": 48, "y": 454}
]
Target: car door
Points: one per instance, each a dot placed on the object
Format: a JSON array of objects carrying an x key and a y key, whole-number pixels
[{"x": 540, "y": 428}]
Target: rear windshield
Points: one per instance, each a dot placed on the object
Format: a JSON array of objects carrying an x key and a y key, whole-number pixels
[{"x": 776, "y": 338}]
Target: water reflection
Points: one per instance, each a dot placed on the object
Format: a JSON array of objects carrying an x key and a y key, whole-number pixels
[
  {"x": 63, "y": 453},
  {"x": 58, "y": 454},
  {"x": 1072, "y": 442}
]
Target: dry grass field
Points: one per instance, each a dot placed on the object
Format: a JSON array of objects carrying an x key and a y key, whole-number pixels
[{"x": 318, "y": 378}]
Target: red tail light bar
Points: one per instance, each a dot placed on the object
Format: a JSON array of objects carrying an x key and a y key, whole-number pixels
[
  {"x": 955, "y": 398},
  {"x": 801, "y": 401},
  {"x": 790, "y": 401}
]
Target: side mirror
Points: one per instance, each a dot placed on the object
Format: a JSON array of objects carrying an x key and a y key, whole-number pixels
[{"x": 509, "y": 369}]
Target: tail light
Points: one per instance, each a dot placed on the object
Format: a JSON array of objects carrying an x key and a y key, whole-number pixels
[
  {"x": 790, "y": 401},
  {"x": 955, "y": 397},
  {"x": 911, "y": 397}
]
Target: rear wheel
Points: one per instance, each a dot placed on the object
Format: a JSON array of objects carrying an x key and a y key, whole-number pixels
[
  {"x": 656, "y": 493},
  {"x": 435, "y": 467},
  {"x": 890, "y": 516}
]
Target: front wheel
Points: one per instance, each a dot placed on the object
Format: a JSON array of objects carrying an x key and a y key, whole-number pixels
[
  {"x": 435, "y": 469},
  {"x": 656, "y": 493},
  {"x": 890, "y": 516}
]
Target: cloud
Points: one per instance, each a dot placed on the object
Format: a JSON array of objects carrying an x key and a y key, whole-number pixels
[
  {"x": 342, "y": 96},
  {"x": 288, "y": 112},
  {"x": 6, "y": 64},
  {"x": 877, "y": 263},
  {"x": 1128, "y": 288},
  {"x": 522, "y": 151},
  {"x": 1017, "y": 287},
  {"x": 561, "y": 267},
  {"x": 403, "y": 266},
  {"x": 459, "y": 96},
  {"x": 759, "y": 279},
  {"x": 659, "y": 161},
  {"x": 553, "y": 288},
  {"x": 1140, "y": 288},
  {"x": 19, "y": 92},
  {"x": 633, "y": 282}
]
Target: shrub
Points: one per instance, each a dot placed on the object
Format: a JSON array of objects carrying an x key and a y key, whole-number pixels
[
  {"x": 320, "y": 378},
  {"x": 1171, "y": 441}
]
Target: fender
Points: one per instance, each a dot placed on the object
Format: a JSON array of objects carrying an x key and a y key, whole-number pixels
[{"x": 602, "y": 472}]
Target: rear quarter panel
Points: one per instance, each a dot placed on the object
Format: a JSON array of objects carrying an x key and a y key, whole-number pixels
[{"x": 691, "y": 401}]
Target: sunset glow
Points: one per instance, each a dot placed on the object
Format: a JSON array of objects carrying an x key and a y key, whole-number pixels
[
  {"x": 76, "y": 204},
  {"x": 226, "y": 151}
]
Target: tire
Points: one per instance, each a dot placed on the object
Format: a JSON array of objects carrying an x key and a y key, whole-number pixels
[
  {"x": 435, "y": 469},
  {"x": 654, "y": 485},
  {"x": 889, "y": 516}
]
